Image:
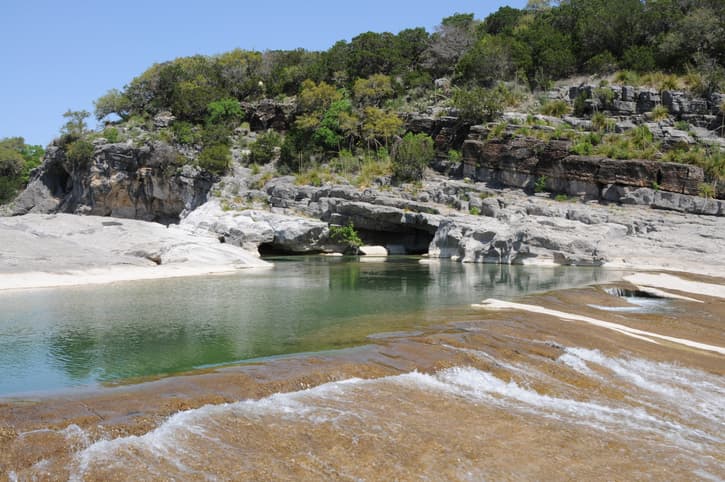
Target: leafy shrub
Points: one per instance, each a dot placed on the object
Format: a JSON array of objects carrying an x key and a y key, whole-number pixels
[
  {"x": 580, "y": 104},
  {"x": 474, "y": 210},
  {"x": 605, "y": 95},
  {"x": 225, "y": 111},
  {"x": 454, "y": 156},
  {"x": 215, "y": 159},
  {"x": 111, "y": 134},
  {"x": 497, "y": 131},
  {"x": 660, "y": 112},
  {"x": 346, "y": 235},
  {"x": 706, "y": 190},
  {"x": 540, "y": 184},
  {"x": 184, "y": 133},
  {"x": 411, "y": 156},
  {"x": 263, "y": 150},
  {"x": 79, "y": 152},
  {"x": 477, "y": 104},
  {"x": 8, "y": 188},
  {"x": 556, "y": 108},
  {"x": 639, "y": 58},
  {"x": 603, "y": 63},
  {"x": 601, "y": 122},
  {"x": 214, "y": 134}
]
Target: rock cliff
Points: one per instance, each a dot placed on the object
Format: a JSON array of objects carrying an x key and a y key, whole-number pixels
[{"x": 121, "y": 180}]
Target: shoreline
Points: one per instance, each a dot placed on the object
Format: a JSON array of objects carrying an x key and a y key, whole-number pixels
[
  {"x": 99, "y": 275},
  {"x": 113, "y": 274}
]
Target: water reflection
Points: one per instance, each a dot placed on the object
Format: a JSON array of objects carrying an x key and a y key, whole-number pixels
[{"x": 58, "y": 338}]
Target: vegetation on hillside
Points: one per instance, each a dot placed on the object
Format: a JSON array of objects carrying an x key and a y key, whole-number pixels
[
  {"x": 350, "y": 97},
  {"x": 17, "y": 159}
]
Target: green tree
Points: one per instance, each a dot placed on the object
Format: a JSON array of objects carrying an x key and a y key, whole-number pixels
[
  {"x": 379, "y": 125},
  {"x": 411, "y": 156},
  {"x": 488, "y": 61},
  {"x": 113, "y": 102},
  {"x": 215, "y": 159},
  {"x": 227, "y": 112},
  {"x": 317, "y": 97},
  {"x": 374, "y": 53},
  {"x": 264, "y": 149},
  {"x": 76, "y": 125},
  {"x": 478, "y": 104},
  {"x": 373, "y": 90}
]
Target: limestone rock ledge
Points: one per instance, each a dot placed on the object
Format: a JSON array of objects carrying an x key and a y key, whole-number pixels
[{"x": 63, "y": 249}]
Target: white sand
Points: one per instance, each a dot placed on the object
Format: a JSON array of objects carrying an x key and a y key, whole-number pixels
[{"x": 493, "y": 304}]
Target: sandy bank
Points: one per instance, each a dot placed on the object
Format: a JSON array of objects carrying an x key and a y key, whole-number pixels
[{"x": 64, "y": 250}]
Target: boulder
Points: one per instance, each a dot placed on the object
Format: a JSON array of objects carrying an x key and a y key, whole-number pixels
[{"x": 373, "y": 251}]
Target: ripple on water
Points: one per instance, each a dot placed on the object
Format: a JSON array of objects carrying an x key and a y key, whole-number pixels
[{"x": 450, "y": 419}]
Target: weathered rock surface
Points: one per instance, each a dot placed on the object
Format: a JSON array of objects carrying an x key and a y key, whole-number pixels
[
  {"x": 512, "y": 227},
  {"x": 122, "y": 180},
  {"x": 61, "y": 249},
  {"x": 520, "y": 162},
  {"x": 252, "y": 228}
]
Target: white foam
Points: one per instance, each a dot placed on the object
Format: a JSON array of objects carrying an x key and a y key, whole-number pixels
[
  {"x": 337, "y": 403},
  {"x": 493, "y": 304},
  {"x": 684, "y": 388}
]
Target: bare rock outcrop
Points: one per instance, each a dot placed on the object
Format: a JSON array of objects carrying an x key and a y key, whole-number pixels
[{"x": 149, "y": 182}]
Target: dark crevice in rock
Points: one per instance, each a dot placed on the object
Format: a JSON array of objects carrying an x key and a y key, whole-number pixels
[{"x": 628, "y": 293}]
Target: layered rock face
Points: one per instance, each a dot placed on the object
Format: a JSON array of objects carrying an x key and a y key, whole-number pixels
[
  {"x": 121, "y": 180},
  {"x": 521, "y": 162}
]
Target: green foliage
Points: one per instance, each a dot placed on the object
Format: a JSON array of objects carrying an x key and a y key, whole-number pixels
[
  {"x": 184, "y": 133},
  {"x": 264, "y": 149},
  {"x": 561, "y": 198},
  {"x": 602, "y": 63},
  {"x": 660, "y": 112},
  {"x": 373, "y": 90},
  {"x": 411, "y": 156},
  {"x": 454, "y": 156},
  {"x": 556, "y": 108},
  {"x": 540, "y": 184},
  {"x": 602, "y": 123},
  {"x": 474, "y": 211},
  {"x": 226, "y": 112},
  {"x": 215, "y": 159},
  {"x": 604, "y": 95},
  {"x": 346, "y": 235},
  {"x": 317, "y": 97},
  {"x": 478, "y": 104},
  {"x": 584, "y": 144},
  {"x": 706, "y": 190},
  {"x": 111, "y": 134},
  {"x": 113, "y": 102},
  {"x": 17, "y": 159},
  {"x": 379, "y": 125},
  {"x": 79, "y": 153},
  {"x": 213, "y": 134},
  {"x": 640, "y": 58},
  {"x": 580, "y": 104},
  {"x": 491, "y": 59},
  {"x": 76, "y": 125}
]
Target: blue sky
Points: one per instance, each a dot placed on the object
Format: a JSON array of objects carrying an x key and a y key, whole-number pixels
[{"x": 58, "y": 55}]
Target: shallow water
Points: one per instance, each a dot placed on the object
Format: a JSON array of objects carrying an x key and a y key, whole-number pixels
[
  {"x": 58, "y": 338},
  {"x": 442, "y": 390}
]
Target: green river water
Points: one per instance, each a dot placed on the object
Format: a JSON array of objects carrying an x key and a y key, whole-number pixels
[{"x": 57, "y": 339}]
